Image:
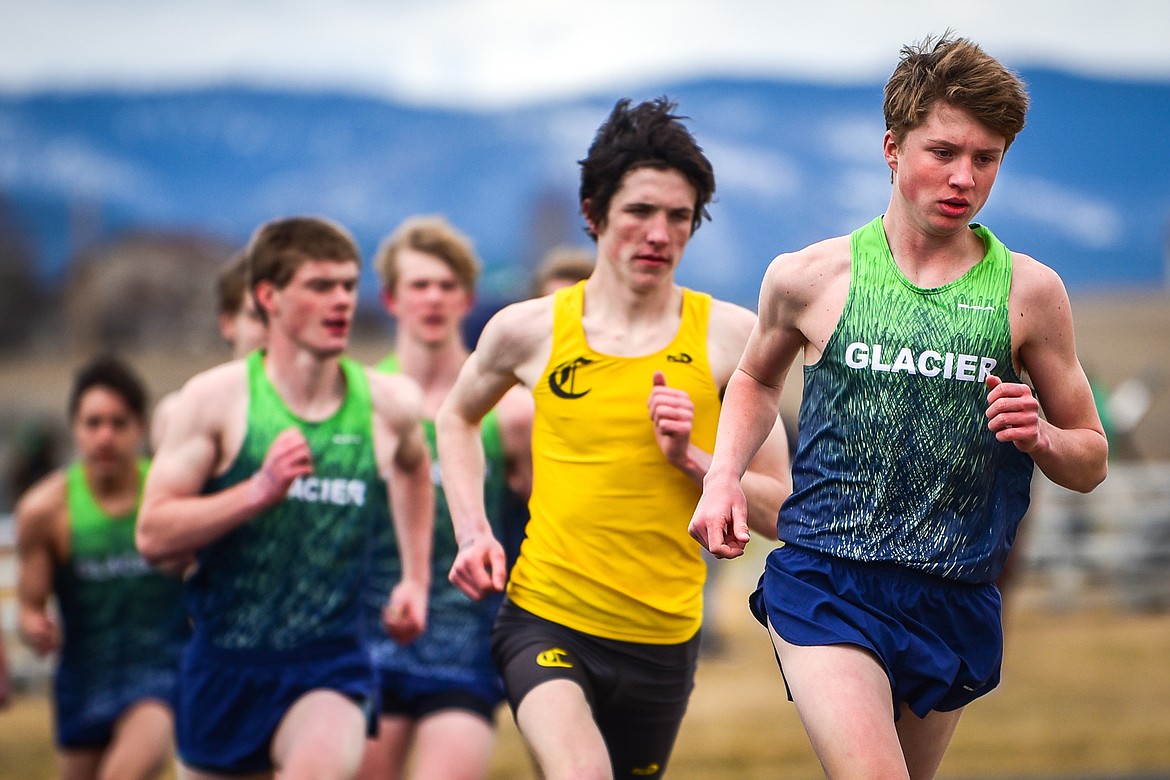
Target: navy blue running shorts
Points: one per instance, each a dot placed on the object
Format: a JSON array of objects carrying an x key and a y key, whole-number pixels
[
  {"x": 940, "y": 641},
  {"x": 231, "y": 702},
  {"x": 86, "y": 707},
  {"x": 415, "y": 697}
]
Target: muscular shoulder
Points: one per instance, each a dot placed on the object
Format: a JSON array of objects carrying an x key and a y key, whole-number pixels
[
  {"x": 397, "y": 399},
  {"x": 204, "y": 408},
  {"x": 1034, "y": 283},
  {"x": 163, "y": 411},
  {"x": 203, "y": 394},
  {"x": 728, "y": 330},
  {"x": 805, "y": 274},
  {"x": 1038, "y": 301},
  {"x": 804, "y": 292},
  {"x": 40, "y": 508},
  {"x": 730, "y": 320},
  {"x": 516, "y": 332}
]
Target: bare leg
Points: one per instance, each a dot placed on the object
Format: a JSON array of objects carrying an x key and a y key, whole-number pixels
[
  {"x": 187, "y": 773},
  {"x": 143, "y": 744},
  {"x": 558, "y": 726},
  {"x": 453, "y": 744},
  {"x": 843, "y": 698},
  {"x": 925, "y": 740},
  {"x": 79, "y": 764},
  {"x": 321, "y": 736},
  {"x": 385, "y": 754}
]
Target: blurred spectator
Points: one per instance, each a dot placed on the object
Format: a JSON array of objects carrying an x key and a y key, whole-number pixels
[{"x": 561, "y": 267}]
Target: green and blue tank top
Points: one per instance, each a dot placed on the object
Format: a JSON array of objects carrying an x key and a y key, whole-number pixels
[
  {"x": 456, "y": 643},
  {"x": 124, "y": 622},
  {"x": 894, "y": 461},
  {"x": 292, "y": 576}
]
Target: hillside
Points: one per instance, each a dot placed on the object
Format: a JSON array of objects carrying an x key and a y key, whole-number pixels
[{"x": 794, "y": 163}]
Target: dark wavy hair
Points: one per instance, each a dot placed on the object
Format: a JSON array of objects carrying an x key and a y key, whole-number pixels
[
  {"x": 648, "y": 135},
  {"x": 114, "y": 374}
]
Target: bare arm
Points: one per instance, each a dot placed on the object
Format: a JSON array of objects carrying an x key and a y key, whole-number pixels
[
  {"x": 767, "y": 481},
  {"x": 406, "y": 464},
  {"x": 506, "y": 345},
  {"x": 1068, "y": 442},
  {"x": 750, "y": 464},
  {"x": 39, "y": 515},
  {"x": 159, "y": 419},
  {"x": 175, "y": 520}
]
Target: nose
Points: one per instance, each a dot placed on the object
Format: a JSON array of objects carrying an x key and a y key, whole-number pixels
[
  {"x": 963, "y": 173},
  {"x": 343, "y": 295},
  {"x": 658, "y": 229},
  {"x": 106, "y": 432}
]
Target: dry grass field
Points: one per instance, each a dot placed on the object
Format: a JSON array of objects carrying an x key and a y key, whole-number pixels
[
  {"x": 1085, "y": 694},
  {"x": 1086, "y": 688}
]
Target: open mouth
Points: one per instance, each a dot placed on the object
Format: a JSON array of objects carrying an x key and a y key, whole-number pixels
[
  {"x": 337, "y": 327},
  {"x": 954, "y": 208}
]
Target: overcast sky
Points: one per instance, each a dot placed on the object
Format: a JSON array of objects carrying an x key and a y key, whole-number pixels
[{"x": 491, "y": 52}]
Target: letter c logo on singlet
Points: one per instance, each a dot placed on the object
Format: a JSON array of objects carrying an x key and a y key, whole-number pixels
[
  {"x": 645, "y": 771},
  {"x": 556, "y": 657},
  {"x": 563, "y": 380}
]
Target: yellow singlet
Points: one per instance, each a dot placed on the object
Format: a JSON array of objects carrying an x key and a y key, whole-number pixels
[{"x": 607, "y": 551}]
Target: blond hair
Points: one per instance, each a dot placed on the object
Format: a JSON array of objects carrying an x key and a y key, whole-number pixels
[{"x": 432, "y": 235}]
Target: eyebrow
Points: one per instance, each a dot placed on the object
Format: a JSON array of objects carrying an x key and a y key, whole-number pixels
[{"x": 953, "y": 145}]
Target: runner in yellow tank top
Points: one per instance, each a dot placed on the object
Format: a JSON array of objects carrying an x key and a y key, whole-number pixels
[
  {"x": 598, "y": 640},
  {"x": 590, "y": 454}
]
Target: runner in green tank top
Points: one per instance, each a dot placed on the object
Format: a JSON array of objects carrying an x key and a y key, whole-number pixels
[
  {"x": 440, "y": 692},
  {"x": 122, "y": 624},
  {"x": 917, "y": 434},
  {"x": 262, "y": 480}
]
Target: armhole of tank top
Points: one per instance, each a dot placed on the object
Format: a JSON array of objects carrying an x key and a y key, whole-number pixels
[
  {"x": 251, "y": 381},
  {"x": 845, "y": 309},
  {"x": 1018, "y": 374},
  {"x": 701, "y": 305},
  {"x": 560, "y": 304}
]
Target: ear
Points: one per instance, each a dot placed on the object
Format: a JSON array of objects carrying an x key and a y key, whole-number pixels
[
  {"x": 468, "y": 303},
  {"x": 227, "y": 327},
  {"x": 594, "y": 229},
  {"x": 389, "y": 302},
  {"x": 890, "y": 150},
  {"x": 264, "y": 292}
]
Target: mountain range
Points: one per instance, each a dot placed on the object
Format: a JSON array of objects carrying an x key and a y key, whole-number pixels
[{"x": 1085, "y": 188}]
